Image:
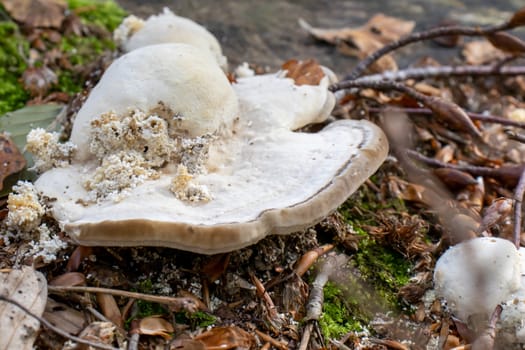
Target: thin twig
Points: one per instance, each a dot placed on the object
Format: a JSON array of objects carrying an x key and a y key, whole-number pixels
[
  {"x": 178, "y": 303},
  {"x": 518, "y": 200},
  {"x": 509, "y": 173},
  {"x": 55, "y": 329},
  {"x": 474, "y": 116},
  {"x": 421, "y": 36},
  {"x": 485, "y": 341},
  {"x": 442, "y": 71},
  {"x": 305, "y": 339}
]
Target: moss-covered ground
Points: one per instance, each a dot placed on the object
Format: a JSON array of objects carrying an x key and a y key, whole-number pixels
[{"x": 76, "y": 49}]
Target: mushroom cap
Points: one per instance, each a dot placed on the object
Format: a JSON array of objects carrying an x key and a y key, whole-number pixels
[
  {"x": 170, "y": 28},
  {"x": 180, "y": 75},
  {"x": 264, "y": 177},
  {"x": 477, "y": 275}
]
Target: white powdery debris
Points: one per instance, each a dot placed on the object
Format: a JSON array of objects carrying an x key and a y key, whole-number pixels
[
  {"x": 145, "y": 133},
  {"x": 185, "y": 188},
  {"x": 118, "y": 173},
  {"x": 48, "y": 245},
  {"x": 244, "y": 71},
  {"x": 129, "y": 26},
  {"x": 48, "y": 152},
  {"x": 25, "y": 211}
]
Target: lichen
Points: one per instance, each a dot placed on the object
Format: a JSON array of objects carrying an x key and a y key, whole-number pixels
[{"x": 47, "y": 151}]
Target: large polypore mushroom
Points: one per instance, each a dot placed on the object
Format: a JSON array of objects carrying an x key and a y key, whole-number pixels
[{"x": 169, "y": 153}]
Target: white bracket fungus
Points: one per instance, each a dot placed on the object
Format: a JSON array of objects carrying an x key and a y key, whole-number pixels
[{"x": 204, "y": 165}]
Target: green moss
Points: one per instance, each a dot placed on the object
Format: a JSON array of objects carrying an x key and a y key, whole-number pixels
[
  {"x": 13, "y": 48},
  {"x": 375, "y": 273},
  {"x": 104, "y": 13},
  {"x": 341, "y": 313},
  {"x": 195, "y": 320},
  {"x": 384, "y": 268},
  {"x": 79, "y": 50}
]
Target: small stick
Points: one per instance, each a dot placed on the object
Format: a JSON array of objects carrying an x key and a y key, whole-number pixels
[
  {"x": 305, "y": 339},
  {"x": 486, "y": 340},
  {"x": 267, "y": 338},
  {"x": 474, "y": 116},
  {"x": 518, "y": 200},
  {"x": 421, "y": 36},
  {"x": 443, "y": 71},
  {"x": 56, "y": 329},
  {"x": 178, "y": 303}
]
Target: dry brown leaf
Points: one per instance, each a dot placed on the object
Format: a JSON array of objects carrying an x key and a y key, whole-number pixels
[
  {"x": 37, "y": 13},
  {"x": 69, "y": 279},
  {"x": 454, "y": 179},
  {"x": 64, "y": 317},
  {"x": 215, "y": 266},
  {"x": 97, "y": 332},
  {"x": 480, "y": 52},
  {"x": 28, "y": 287},
  {"x": 362, "y": 41},
  {"x": 307, "y": 72},
  {"x": 518, "y": 19},
  {"x": 155, "y": 325},
  {"x": 39, "y": 80},
  {"x": 507, "y": 43},
  {"x": 226, "y": 338},
  {"x": 110, "y": 309},
  {"x": 11, "y": 160}
]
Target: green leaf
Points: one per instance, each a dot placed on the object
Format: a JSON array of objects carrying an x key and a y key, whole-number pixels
[{"x": 18, "y": 124}]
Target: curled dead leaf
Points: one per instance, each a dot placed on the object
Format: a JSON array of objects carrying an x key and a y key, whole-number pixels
[
  {"x": 451, "y": 114},
  {"x": 307, "y": 72},
  {"x": 155, "y": 325},
  {"x": 110, "y": 309},
  {"x": 454, "y": 179},
  {"x": 226, "y": 338},
  {"x": 362, "y": 41},
  {"x": 480, "y": 52},
  {"x": 69, "y": 279},
  {"x": 11, "y": 160},
  {"x": 507, "y": 43},
  {"x": 518, "y": 18},
  {"x": 38, "y": 80},
  {"x": 37, "y": 13}
]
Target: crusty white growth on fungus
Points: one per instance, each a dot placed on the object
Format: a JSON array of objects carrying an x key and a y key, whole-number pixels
[
  {"x": 25, "y": 211},
  {"x": 239, "y": 172},
  {"x": 167, "y": 28},
  {"x": 47, "y": 151}
]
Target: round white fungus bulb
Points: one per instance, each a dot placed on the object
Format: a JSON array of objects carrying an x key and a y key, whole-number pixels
[{"x": 477, "y": 275}]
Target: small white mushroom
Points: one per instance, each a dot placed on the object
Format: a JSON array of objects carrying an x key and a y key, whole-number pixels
[
  {"x": 234, "y": 168},
  {"x": 477, "y": 275},
  {"x": 167, "y": 28}
]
